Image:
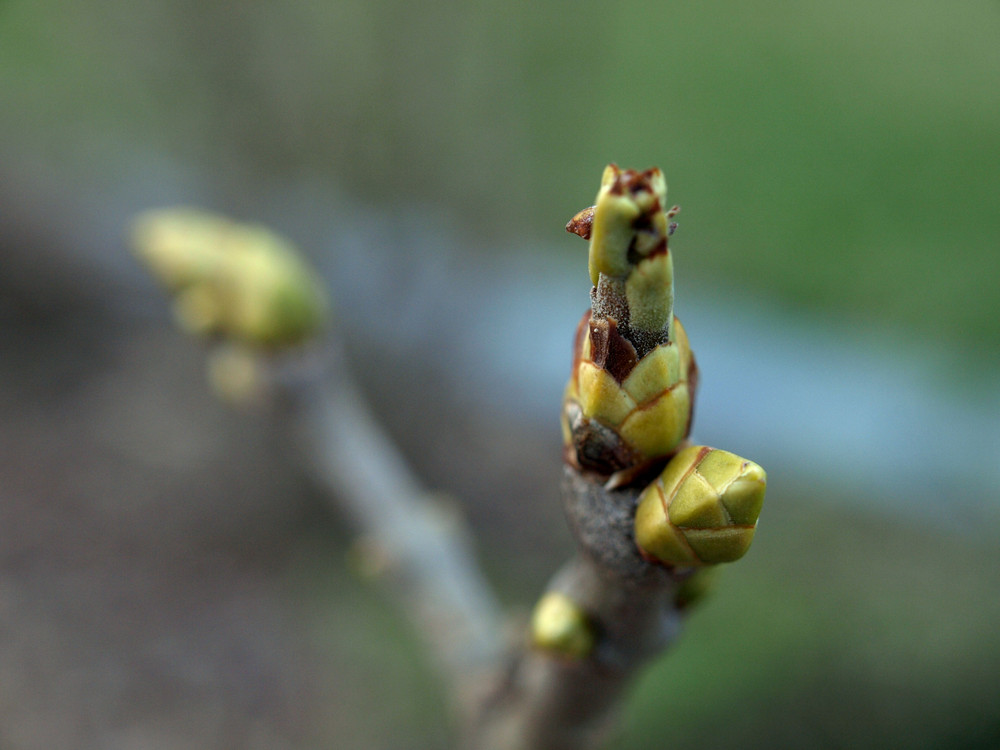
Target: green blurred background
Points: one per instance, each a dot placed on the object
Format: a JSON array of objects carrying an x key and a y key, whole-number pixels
[{"x": 839, "y": 170}]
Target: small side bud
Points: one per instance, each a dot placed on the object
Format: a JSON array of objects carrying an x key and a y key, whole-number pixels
[
  {"x": 702, "y": 510},
  {"x": 560, "y": 626}
]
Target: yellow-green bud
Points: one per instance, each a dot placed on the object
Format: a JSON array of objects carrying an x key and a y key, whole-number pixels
[
  {"x": 560, "y": 626},
  {"x": 610, "y": 424},
  {"x": 273, "y": 299},
  {"x": 180, "y": 246},
  {"x": 702, "y": 509},
  {"x": 628, "y": 215},
  {"x": 235, "y": 280},
  {"x": 629, "y": 400},
  {"x": 197, "y": 309}
]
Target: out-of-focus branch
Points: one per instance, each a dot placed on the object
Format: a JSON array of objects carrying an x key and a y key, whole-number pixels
[
  {"x": 418, "y": 546},
  {"x": 246, "y": 289}
]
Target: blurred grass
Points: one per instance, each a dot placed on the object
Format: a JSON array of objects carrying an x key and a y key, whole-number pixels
[
  {"x": 372, "y": 672},
  {"x": 843, "y": 158}
]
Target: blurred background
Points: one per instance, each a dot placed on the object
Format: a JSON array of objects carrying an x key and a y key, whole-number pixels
[{"x": 168, "y": 575}]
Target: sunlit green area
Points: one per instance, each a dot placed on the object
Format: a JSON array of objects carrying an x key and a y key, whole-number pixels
[
  {"x": 843, "y": 158},
  {"x": 840, "y": 157}
]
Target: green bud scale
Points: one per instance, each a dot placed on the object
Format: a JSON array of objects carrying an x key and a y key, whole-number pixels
[
  {"x": 702, "y": 509},
  {"x": 628, "y": 406}
]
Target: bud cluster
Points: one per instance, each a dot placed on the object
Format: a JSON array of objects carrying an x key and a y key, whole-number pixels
[
  {"x": 628, "y": 406},
  {"x": 629, "y": 401}
]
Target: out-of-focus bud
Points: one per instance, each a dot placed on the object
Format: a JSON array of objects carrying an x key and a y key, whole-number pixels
[
  {"x": 560, "y": 626},
  {"x": 181, "y": 246},
  {"x": 239, "y": 281},
  {"x": 275, "y": 299},
  {"x": 702, "y": 509}
]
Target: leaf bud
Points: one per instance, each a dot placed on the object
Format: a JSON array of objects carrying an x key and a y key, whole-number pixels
[
  {"x": 629, "y": 402},
  {"x": 701, "y": 510},
  {"x": 617, "y": 416},
  {"x": 239, "y": 281},
  {"x": 560, "y": 626}
]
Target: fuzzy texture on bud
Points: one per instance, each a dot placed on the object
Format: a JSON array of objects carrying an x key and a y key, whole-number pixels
[{"x": 629, "y": 402}]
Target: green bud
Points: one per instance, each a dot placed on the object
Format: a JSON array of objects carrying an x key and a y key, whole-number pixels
[
  {"x": 609, "y": 425},
  {"x": 628, "y": 216},
  {"x": 239, "y": 281},
  {"x": 611, "y": 235},
  {"x": 180, "y": 246},
  {"x": 649, "y": 290},
  {"x": 273, "y": 299},
  {"x": 702, "y": 510},
  {"x": 198, "y": 309},
  {"x": 560, "y": 626},
  {"x": 630, "y": 397}
]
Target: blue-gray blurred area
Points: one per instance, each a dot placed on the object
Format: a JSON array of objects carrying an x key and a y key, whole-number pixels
[{"x": 168, "y": 576}]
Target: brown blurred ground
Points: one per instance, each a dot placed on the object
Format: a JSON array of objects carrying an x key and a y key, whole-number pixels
[{"x": 168, "y": 577}]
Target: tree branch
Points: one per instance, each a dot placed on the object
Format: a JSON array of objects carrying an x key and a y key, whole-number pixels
[
  {"x": 558, "y": 701},
  {"x": 419, "y": 548},
  {"x": 649, "y": 510}
]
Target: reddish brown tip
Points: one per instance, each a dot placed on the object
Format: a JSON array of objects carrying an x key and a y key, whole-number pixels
[{"x": 582, "y": 223}]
